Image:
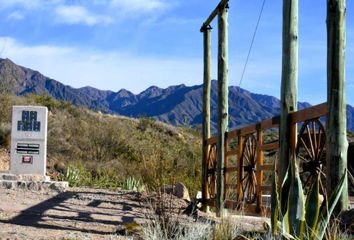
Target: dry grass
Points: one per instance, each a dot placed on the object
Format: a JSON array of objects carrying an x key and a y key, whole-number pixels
[{"x": 107, "y": 149}]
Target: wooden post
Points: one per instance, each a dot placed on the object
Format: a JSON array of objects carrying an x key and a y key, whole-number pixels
[
  {"x": 222, "y": 105},
  {"x": 337, "y": 143},
  {"x": 288, "y": 81},
  {"x": 239, "y": 168},
  {"x": 206, "y": 109},
  {"x": 259, "y": 169},
  {"x": 226, "y": 173}
]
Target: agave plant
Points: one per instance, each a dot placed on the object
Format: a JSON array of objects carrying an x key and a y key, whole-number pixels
[
  {"x": 297, "y": 218},
  {"x": 131, "y": 184},
  {"x": 72, "y": 176}
]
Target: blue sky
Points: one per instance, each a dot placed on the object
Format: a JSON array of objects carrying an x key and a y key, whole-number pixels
[{"x": 133, "y": 44}]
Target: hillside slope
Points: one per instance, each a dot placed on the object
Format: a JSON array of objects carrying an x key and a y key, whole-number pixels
[
  {"x": 107, "y": 149},
  {"x": 177, "y": 105}
]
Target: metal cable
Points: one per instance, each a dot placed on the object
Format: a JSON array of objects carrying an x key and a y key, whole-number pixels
[{"x": 253, "y": 38}]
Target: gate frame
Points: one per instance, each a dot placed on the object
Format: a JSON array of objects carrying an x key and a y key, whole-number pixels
[{"x": 337, "y": 143}]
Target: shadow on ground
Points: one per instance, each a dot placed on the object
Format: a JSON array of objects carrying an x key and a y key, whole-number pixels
[{"x": 88, "y": 212}]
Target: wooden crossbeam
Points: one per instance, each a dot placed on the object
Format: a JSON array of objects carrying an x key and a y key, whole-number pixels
[{"x": 206, "y": 24}]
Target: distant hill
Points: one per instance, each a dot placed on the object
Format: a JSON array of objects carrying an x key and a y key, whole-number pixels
[{"x": 178, "y": 105}]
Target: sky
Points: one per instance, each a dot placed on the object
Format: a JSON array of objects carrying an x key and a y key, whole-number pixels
[{"x": 133, "y": 44}]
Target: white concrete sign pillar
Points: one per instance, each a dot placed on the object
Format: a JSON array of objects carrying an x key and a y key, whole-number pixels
[{"x": 29, "y": 140}]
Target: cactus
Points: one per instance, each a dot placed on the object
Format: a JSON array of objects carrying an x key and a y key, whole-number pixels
[{"x": 292, "y": 216}]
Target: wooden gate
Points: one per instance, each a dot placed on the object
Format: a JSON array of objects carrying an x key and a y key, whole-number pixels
[{"x": 250, "y": 155}]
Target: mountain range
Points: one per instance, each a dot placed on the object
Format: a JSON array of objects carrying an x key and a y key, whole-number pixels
[{"x": 177, "y": 105}]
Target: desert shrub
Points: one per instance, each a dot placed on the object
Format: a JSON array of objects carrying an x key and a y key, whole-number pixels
[
  {"x": 104, "y": 178},
  {"x": 132, "y": 184},
  {"x": 157, "y": 229},
  {"x": 108, "y": 149},
  {"x": 5, "y": 114},
  {"x": 226, "y": 230},
  {"x": 5, "y": 134},
  {"x": 165, "y": 223},
  {"x": 145, "y": 123},
  {"x": 77, "y": 174},
  {"x": 49, "y": 102},
  {"x": 335, "y": 232},
  {"x": 5, "y": 110}
]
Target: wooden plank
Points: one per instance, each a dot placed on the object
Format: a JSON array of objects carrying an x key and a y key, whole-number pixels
[
  {"x": 212, "y": 140},
  {"x": 309, "y": 113},
  {"x": 269, "y": 123},
  {"x": 299, "y": 116},
  {"x": 213, "y": 14},
  {"x": 259, "y": 174},
  {"x": 267, "y": 167},
  {"x": 270, "y": 146},
  {"x": 276, "y": 120},
  {"x": 234, "y": 133},
  {"x": 248, "y": 130},
  {"x": 249, "y": 209},
  {"x": 265, "y": 124},
  {"x": 231, "y": 169},
  {"x": 226, "y": 173},
  {"x": 231, "y": 204}
]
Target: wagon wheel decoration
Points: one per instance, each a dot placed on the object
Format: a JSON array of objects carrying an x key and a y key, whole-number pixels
[
  {"x": 310, "y": 152},
  {"x": 211, "y": 170},
  {"x": 248, "y": 161}
]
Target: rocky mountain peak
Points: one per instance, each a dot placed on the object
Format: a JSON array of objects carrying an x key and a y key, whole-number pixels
[{"x": 178, "y": 105}]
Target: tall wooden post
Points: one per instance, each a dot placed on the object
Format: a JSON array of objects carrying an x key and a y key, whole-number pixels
[
  {"x": 259, "y": 172},
  {"x": 206, "y": 108},
  {"x": 239, "y": 169},
  {"x": 337, "y": 144},
  {"x": 222, "y": 104},
  {"x": 288, "y": 81}
]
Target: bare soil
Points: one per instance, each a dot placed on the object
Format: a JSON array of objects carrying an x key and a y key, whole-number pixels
[{"x": 78, "y": 213}]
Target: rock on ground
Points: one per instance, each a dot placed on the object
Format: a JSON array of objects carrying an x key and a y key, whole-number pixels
[{"x": 181, "y": 191}]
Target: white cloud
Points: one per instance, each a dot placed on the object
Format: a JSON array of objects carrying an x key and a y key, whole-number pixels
[
  {"x": 86, "y": 12},
  {"x": 104, "y": 70},
  {"x": 16, "y": 3},
  {"x": 28, "y": 4},
  {"x": 16, "y": 16},
  {"x": 140, "y": 6},
  {"x": 10, "y": 48},
  {"x": 79, "y": 15}
]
